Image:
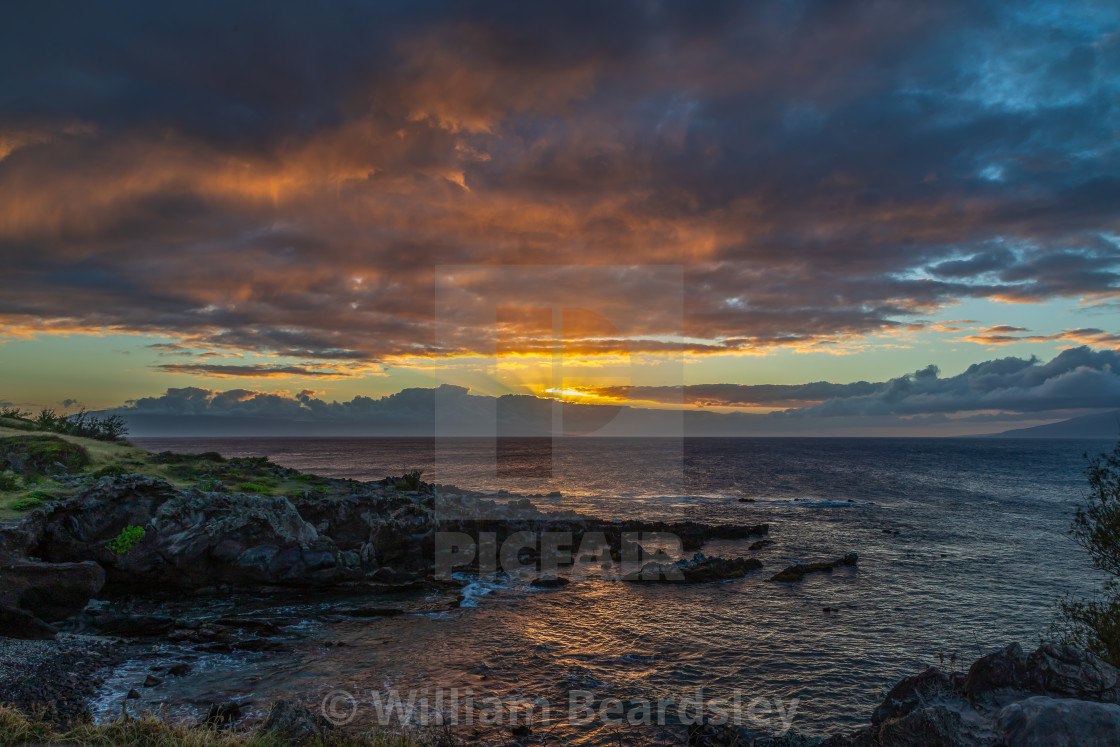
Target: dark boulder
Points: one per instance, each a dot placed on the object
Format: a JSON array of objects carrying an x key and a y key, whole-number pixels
[
  {"x": 220, "y": 715},
  {"x": 51, "y": 591},
  {"x": 133, "y": 626},
  {"x": 797, "y": 572},
  {"x": 295, "y": 723},
  {"x": 911, "y": 692},
  {"x": 1004, "y": 669},
  {"x": 18, "y": 623},
  {"x": 1040, "y": 721},
  {"x": 41, "y": 455},
  {"x": 933, "y": 726},
  {"x": 1068, "y": 672},
  {"x": 192, "y": 540},
  {"x": 700, "y": 569}
]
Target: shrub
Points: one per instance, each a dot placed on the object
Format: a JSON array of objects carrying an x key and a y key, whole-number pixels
[
  {"x": 112, "y": 470},
  {"x": 110, "y": 428},
  {"x": 46, "y": 419},
  {"x": 9, "y": 480},
  {"x": 251, "y": 462},
  {"x": 125, "y": 541},
  {"x": 36, "y": 455},
  {"x": 410, "y": 481},
  {"x": 32, "y": 500},
  {"x": 15, "y": 413},
  {"x": 1095, "y": 623},
  {"x": 255, "y": 487}
]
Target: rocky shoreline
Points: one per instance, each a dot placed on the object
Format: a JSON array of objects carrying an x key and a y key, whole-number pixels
[
  {"x": 55, "y": 678},
  {"x": 133, "y": 537},
  {"x": 122, "y": 534}
]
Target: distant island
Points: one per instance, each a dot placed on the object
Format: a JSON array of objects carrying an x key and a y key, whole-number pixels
[{"x": 1096, "y": 425}]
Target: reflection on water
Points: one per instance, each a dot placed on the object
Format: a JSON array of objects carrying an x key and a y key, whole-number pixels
[{"x": 978, "y": 559}]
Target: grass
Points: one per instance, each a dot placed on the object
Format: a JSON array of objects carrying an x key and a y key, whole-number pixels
[
  {"x": 150, "y": 731},
  {"x": 208, "y": 471},
  {"x": 20, "y": 496}
]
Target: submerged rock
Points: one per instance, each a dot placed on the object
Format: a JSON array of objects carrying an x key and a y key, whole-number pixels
[
  {"x": 133, "y": 626},
  {"x": 700, "y": 569},
  {"x": 797, "y": 572}
]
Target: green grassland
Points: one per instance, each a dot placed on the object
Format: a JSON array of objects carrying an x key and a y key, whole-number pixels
[{"x": 38, "y": 480}]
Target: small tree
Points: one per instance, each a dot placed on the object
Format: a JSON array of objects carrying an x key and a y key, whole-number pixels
[{"x": 1095, "y": 623}]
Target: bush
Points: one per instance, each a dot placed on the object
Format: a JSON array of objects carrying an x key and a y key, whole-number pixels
[
  {"x": 36, "y": 455},
  {"x": 9, "y": 480},
  {"x": 410, "y": 481},
  {"x": 112, "y": 470},
  {"x": 1094, "y": 624},
  {"x": 125, "y": 541},
  {"x": 33, "y": 500},
  {"x": 110, "y": 428}
]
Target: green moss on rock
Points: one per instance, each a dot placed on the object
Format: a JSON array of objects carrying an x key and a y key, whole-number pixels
[{"x": 32, "y": 456}]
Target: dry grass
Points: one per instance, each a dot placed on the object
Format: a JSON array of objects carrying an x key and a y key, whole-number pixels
[
  {"x": 151, "y": 731},
  {"x": 101, "y": 453}
]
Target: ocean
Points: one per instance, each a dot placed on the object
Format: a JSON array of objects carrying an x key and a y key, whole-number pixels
[{"x": 963, "y": 548}]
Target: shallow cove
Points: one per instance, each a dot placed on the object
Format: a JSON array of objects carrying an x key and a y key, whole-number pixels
[{"x": 979, "y": 557}]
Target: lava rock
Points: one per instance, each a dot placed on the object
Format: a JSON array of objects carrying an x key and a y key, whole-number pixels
[
  {"x": 226, "y": 713},
  {"x": 134, "y": 626},
  {"x": 18, "y": 623},
  {"x": 797, "y": 572},
  {"x": 295, "y": 722},
  {"x": 50, "y": 591}
]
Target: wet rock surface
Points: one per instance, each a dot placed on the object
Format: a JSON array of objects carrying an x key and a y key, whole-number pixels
[
  {"x": 797, "y": 572},
  {"x": 697, "y": 570}
]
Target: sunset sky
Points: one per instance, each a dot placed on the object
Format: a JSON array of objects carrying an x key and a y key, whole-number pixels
[{"x": 272, "y": 208}]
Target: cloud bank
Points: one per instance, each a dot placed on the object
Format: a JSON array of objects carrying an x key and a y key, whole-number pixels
[{"x": 1002, "y": 390}]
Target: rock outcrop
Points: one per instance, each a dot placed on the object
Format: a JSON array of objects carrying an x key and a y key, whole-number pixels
[
  {"x": 699, "y": 569},
  {"x": 18, "y": 623},
  {"x": 50, "y": 591},
  {"x": 797, "y": 572},
  {"x": 295, "y": 723},
  {"x": 1055, "y": 696},
  {"x": 349, "y": 534}
]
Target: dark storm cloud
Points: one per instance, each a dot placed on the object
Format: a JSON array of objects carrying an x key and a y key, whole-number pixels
[
  {"x": 1078, "y": 378},
  {"x": 286, "y": 181}
]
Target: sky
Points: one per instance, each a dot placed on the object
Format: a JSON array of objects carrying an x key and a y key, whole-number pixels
[{"x": 862, "y": 218}]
